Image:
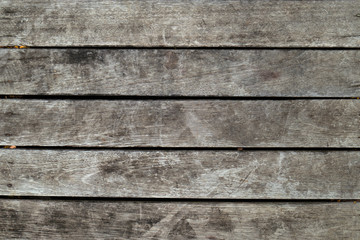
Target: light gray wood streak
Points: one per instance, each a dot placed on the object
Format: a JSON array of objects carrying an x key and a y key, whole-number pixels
[
  {"x": 181, "y": 174},
  {"x": 158, "y": 220},
  {"x": 286, "y": 73},
  {"x": 206, "y": 123},
  {"x": 180, "y": 23}
]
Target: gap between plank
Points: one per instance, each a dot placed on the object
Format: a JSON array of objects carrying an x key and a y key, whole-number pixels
[
  {"x": 95, "y": 148},
  {"x": 183, "y": 98},
  {"x": 159, "y": 47},
  {"x": 125, "y": 199}
]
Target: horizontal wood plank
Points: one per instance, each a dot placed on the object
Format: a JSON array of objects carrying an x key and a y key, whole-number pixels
[
  {"x": 181, "y": 174},
  {"x": 180, "y": 23},
  {"x": 205, "y": 123},
  {"x": 147, "y": 72},
  {"x": 158, "y": 220}
]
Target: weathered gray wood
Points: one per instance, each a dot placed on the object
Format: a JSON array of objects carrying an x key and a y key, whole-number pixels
[
  {"x": 289, "y": 73},
  {"x": 321, "y": 23},
  {"x": 206, "y": 123},
  {"x": 31, "y": 219},
  {"x": 181, "y": 174}
]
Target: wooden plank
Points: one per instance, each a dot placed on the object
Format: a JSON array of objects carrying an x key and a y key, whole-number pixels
[
  {"x": 204, "y": 123},
  {"x": 33, "y": 219},
  {"x": 285, "y": 73},
  {"x": 180, "y": 23},
  {"x": 181, "y": 174}
]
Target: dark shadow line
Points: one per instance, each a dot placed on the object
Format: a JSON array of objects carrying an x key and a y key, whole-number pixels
[
  {"x": 159, "y": 47},
  {"x": 169, "y": 200},
  {"x": 173, "y": 97},
  {"x": 157, "y": 148}
]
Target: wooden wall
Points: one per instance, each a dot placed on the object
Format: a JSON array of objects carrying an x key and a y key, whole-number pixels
[{"x": 179, "y": 119}]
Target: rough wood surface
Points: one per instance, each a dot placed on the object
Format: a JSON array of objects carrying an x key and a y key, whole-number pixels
[
  {"x": 243, "y": 23},
  {"x": 181, "y": 174},
  {"x": 205, "y": 123},
  {"x": 289, "y": 73},
  {"x": 30, "y": 219}
]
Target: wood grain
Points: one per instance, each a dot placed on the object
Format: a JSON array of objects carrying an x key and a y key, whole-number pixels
[
  {"x": 205, "y": 123},
  {"x": 147, "y": 72},
  {"x": 158, "y": 220},
  {"x": 180, "y": 23},
  {"x": 181, "y": 174}
]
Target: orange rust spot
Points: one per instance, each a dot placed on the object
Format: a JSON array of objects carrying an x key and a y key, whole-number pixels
[
  {"x": 240, "y": 149},
  {"x": 13, "y": 47},
  {"x": 10, "y": 147}
]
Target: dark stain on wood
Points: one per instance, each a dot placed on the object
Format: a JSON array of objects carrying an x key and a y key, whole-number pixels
[
  {"x": 171, "y": 60},
  {"x": 110, "y": 168},
  {"x": 270, "y": 75},
  {"x": 220, "y": 221},
  {"x": 138, "y": 226},
  {"x": 8, "y": 10},
  {"x": 58, "y": 219},
  {"x": 83, "y": 57},
  {"x": 10, "y": 114},
  {"x": 182, "y": 230},
  {"x": 272, "y": 225},
  {"x": 11, "y": 221}
]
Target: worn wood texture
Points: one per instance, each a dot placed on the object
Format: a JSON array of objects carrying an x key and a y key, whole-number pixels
[
  {"x": 158, "y": 220},
  {"x": 217, "y": 23},
  {"x": 286, "y": 73},
  {"x": 181, "y": 174},
  {"x": 206, "y": 123}
]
